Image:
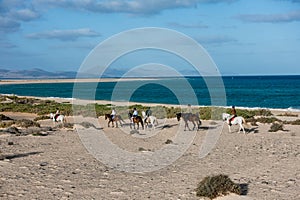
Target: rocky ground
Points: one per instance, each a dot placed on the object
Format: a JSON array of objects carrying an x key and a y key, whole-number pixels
[{"x": 57, "y": 165}]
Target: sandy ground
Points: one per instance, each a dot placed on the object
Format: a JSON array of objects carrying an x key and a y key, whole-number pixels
[{"x": 59, "y": 165}]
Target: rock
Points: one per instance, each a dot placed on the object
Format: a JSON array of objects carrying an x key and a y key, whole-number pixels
[
  {"x": 42, "y": 164},
  {"x": 10, "y": 143}
]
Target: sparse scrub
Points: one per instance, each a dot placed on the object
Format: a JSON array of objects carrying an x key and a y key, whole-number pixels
[
  {"x": 267, "y": 120},
  {"x": 286, "y": 114},
  {"x": 25, "y": 123},
  {"x": 276, "y": 127},
  {"x": 214, "y": 186},
  {"x": 6, "y": 124},
  {"x": 41, "y": 118}
]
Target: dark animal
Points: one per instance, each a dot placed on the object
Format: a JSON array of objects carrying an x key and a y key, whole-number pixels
[
  {"x": 136, "y": 120},
  {"x": 116, "y": 119},
  {"x": 195, "y": 119}
]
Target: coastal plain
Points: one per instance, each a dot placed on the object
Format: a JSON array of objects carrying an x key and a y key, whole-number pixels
[{"x": 59, "y": 166}]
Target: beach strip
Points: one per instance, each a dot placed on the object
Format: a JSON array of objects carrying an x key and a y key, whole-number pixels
[{"x": 77, "y": 80}]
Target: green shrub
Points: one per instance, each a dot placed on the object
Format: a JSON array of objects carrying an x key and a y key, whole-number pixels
[{"x": 214, "y": 186}]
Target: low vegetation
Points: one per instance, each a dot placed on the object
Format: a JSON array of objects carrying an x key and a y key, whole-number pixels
[
  {"x": 276, "y": 127},
  {"x": 287, "y": 114},
  {"x": 214, "y": 186},
  {"x": 44, "y": 107}
]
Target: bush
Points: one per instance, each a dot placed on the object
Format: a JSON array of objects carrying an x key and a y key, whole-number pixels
[
  {"x": 214, "y": 186},
  {"x": 41, "y": 118},
  {"x": 268, "y": 120},
  {"x": 276, "y": 127},
  {"x": 25, "y": 123},
  {"x": 4, "y": 117}
]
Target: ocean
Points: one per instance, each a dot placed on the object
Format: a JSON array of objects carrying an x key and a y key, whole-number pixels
[{"x": 278, "y": 92}]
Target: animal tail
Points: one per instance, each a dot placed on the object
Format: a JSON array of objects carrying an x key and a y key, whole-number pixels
[
  {"x": 247, "y": 125},
  {"x": 142, "y": 123}
]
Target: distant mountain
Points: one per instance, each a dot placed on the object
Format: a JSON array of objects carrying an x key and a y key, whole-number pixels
[{"x": 34, "y": 73}]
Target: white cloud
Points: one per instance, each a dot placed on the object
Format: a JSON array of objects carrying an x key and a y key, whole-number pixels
[
  {"x": 270, "y": 18},
  {"x": 215, "y": 39},
  {"x": 8, "y": 25},
  {"x": 179, "y": 25},
  {"x": 23, "y": 14},
  {"x": 64, "y": 35},
  {"x": 144, "y": 7}
]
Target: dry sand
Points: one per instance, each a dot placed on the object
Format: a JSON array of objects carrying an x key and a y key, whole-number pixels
[{"x": 58, "y": 166}]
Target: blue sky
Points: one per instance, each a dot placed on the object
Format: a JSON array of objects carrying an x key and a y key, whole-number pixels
[{"x": 245, "y": 37}]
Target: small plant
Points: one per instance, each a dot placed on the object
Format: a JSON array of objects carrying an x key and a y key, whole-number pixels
[
  {"x": 214, "y": 186},
  {"x": 4, "y": 117},
  {"x": 25, "y": 123},
  {"x": 286, "y": 114},
  {"x": 268, "y": 120},
  {"x": 169, "y": 141},
  {"x": 87, "y": 124},
  {"x": 41, "y": 118},
  {"x": 276, "y": 127}
]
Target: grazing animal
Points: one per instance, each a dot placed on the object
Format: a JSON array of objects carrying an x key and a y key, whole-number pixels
[
  {"x": 237, "y": 120},
  {"x": 136, "y": 120},
  {"x": 195, "y": 119},
  {"x": 60, "y": 118},
  {"x": 116, "y": 119},
  {"x": 150, "y": 120}
]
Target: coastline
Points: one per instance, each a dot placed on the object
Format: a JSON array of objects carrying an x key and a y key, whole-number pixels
[
  {"x": 75, "y": 80},
  {"x": 275, "y": 111}
]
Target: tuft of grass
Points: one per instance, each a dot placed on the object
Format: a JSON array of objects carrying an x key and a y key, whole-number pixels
[
  {"x": 267, "y": 120},
  {"x": 276, "y": 127},
  {"x": 4, "y": 117},
  {"x": 66, "y": 125},
  {"x": 25, "y": 123},
  {"x": 296, "y": 122},
  {"x": 87, "y": 124},
  {"x": 42, "y": 117},
  {"x": 286, "y": 114},
  {"x": 6, "y": 124},
  {"x": 214, "y": 186}
]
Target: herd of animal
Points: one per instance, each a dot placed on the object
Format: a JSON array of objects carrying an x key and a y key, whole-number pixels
[{"x": 147, "y": 121}]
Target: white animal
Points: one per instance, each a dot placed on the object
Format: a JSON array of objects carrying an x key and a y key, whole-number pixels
[
  {"x": 149, "y": 120},
  {"x": 60, "y": 118},
  {"x": 237, "y": 120}
]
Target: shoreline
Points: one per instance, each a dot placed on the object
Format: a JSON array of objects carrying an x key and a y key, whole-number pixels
[
  {"x": 71, "y": 80},
  {"x": 104, "y": 102}
]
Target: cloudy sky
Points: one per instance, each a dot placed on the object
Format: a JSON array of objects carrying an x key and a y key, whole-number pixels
[{"x": 242, "y": 36}]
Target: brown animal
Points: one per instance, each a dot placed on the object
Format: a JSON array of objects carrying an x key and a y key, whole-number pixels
[
  {"x": 189, "y": 117},
  {"x": 116, "y": 119},
  {"x": 136, "y": 120}
]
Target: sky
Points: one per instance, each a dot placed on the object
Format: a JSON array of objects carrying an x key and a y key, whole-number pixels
[{"x": 243, "y": 37}]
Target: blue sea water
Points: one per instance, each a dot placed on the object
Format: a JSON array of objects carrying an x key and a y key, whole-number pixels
[{"x": 242, "y": 91}]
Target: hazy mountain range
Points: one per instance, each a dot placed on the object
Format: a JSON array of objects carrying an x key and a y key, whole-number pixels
[{"x": 37, "y": 73}]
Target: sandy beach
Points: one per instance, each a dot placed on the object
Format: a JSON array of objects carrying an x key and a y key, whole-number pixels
[{"x": 60, "y": 166}]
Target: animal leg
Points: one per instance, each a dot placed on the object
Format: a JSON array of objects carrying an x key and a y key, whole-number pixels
[
  {"x": 229, "y": 128},
  {"x": 241, "y": 127},
  {"x": 194, "y": 125}
]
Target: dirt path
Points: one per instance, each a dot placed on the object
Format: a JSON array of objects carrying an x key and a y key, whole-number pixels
[{"x": 58, "y": 166}]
